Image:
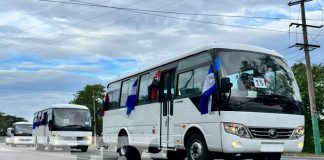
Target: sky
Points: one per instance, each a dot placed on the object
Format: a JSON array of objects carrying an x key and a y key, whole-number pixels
[{"x": 49, "y": 51}]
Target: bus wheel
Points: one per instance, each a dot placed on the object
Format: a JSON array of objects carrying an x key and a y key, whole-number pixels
[
  {"x": 13, "y": 145},
  {"x": 39, "y": 147},
  {"x": 196, "y": 148},
  {"x": 176, "y": 155},
  {"x": 127, "y": 151},
  {"x": 50, "y": 148},
  {"x": 84, "y": 148}
]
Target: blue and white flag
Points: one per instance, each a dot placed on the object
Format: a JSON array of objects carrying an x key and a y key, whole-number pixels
[
  {"x": 208, "y": 89},
  {"x": 131, "y": 99}
]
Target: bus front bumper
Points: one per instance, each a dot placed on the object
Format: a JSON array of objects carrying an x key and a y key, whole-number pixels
[
  {"x": 59, "y": 142},
  {"x": 235, "y": 144},
  {"x": 22, "y": 141}
]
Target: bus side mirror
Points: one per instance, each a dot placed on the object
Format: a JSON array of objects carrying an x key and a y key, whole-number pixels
[
  {"x": 50, "y": 125},
  {"x": 226, "y": 85}
]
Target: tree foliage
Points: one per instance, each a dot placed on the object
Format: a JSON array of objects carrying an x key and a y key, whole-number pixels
[
  {"x": 318, "y": 77},
  {"x": 6, "y": 121},
  {"x": 85, "y": 97}
]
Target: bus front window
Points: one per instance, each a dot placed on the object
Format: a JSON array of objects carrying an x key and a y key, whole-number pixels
[
  {"x": 72, "y": 119},
  {"x": 261, "y": 83},
  {"x": 23, "y": 130}
]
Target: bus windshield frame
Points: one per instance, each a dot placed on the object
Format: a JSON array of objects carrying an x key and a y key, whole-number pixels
[
  {"x": 71, "y": 119},
  {"x": 261, "y": 83},
  {"x": 23, "y": 129}
]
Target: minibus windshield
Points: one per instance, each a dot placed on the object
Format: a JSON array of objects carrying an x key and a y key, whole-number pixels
[
  {"x": 261, "y": 83},
  {"x": 23, "y": 129},
  {"x": 72, "y": 119}
]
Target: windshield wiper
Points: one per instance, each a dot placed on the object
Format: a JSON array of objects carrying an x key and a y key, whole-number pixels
[{"x": 269, "y": 96}]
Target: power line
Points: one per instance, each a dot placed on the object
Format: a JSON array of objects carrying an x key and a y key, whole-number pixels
[
  {"x": 51, "y": 32},
  {"x": 78, "y": 2},
  {"x": 80, "y": 22},
  {"x": 98, "y": 28},
  {"x": 165, "y": 16}
]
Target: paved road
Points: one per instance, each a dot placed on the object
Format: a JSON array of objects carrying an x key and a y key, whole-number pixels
[{"x": 29, "y": 153}]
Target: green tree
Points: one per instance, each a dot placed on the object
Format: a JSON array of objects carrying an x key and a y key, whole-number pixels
[
  {"x": 318, "y": 76},
  {"x": 85, "y": 97},
  {"x": 6, "y": 121}
]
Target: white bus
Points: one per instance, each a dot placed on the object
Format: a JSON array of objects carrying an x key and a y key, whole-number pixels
[
  {"x": 8, "y": 139},
  {"x": 62, "y": 126},
  {"x": 222, "y": 100},
  {"x": 22, "y": 134}
]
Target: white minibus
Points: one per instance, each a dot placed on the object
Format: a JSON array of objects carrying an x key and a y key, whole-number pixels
[
  {"x": 8, "y": 139},
  {"x": 222, "y": 100},
  {"x": 62, "y": 126},
  {"x": 22, "y": 134}
]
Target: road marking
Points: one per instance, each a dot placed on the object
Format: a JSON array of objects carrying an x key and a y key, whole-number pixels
[{"x": 7, "y": 150}]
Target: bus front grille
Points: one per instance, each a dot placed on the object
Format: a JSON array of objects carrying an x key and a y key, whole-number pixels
[{"x": 271, "y": 133}]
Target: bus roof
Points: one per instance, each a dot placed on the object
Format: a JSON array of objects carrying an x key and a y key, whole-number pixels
[
  {"x": 22, "y": 123},
  {"x": 69, "y": 106},
  {"x": 218, "y": 45}
]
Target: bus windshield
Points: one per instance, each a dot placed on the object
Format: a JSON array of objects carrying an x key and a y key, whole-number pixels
[
  {"x": 23, "y": 129},
  {"x": 261, "y": 83},
  {"x": 72, "y": 119}
]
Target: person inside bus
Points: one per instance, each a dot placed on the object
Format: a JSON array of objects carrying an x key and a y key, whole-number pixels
[{"x": 154, "y": 87}]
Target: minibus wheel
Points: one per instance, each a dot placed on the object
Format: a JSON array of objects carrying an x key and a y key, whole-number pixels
[
  {"x": 127, "y": 151},
  {"x": 50, "y": 148},
  {"x": 84, "y": 148},
  {"x": 39, "y": 147},
  {"x": 196, "y": 148},
  {"x": 13, "y": 145}
]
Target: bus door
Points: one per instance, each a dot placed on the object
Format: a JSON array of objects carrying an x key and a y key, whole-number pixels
[{"x": 167, "y": 95}]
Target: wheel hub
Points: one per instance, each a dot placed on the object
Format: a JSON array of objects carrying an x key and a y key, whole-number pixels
[{"x": 196, "y": 150}]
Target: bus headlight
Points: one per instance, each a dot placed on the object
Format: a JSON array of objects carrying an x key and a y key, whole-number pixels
[
  {"x": 88, "y": 138},
  {"x": 236, "y": 129},
  {"x": 57, "y": 139},
  {"x": 298, "y": 132}
]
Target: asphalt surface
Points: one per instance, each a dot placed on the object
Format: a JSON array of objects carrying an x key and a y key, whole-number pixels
[{"x": 28, "y": 153}]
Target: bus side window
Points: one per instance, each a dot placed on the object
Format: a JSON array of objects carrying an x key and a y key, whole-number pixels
[
  {"x": 39, "y": 117},
  {"x": 45, "y": 119},
  {"x": 124, "y": 93},
  {"x": 185, "y": 84},
  {"x": 143, "y": 91}
]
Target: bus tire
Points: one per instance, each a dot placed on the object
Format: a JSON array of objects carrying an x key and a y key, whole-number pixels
[
  {"x": 127, "y": 151},
  {"x": 39, "y": 147},
  {"x": 50, "y": 148},
  {"x": 196, "y": 148},
  {"x": 176, "y": 155},
  {"x": 13, "y": 145},
  {"x": 84, "y": 148}
]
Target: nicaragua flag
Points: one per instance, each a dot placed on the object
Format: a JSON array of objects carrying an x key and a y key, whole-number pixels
[
  {"x": 131, "y": 99},
  {"x": 208, "y": 89}
]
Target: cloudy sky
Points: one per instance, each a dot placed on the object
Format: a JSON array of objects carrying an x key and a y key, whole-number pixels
[{"x": 48, "y": 51}]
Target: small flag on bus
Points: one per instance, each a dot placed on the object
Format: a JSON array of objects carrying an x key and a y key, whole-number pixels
[
  {"x": 208, "y": 89},
  {"x": 131, "y": 99}
]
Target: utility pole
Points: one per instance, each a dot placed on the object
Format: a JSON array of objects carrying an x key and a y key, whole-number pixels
[
  {"x": 94, "y": 118},
  {"x": 307, "y": 47}
]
